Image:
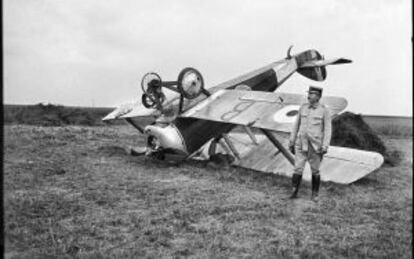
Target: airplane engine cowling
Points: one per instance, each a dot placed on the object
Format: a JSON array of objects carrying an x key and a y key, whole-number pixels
[{"x": 167, "y": 140}]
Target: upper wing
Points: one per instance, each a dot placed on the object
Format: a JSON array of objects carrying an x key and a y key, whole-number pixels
[{"x": 267, "y": 110}]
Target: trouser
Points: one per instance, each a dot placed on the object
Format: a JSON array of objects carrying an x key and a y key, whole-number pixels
[{"x": 311, "y": 156}]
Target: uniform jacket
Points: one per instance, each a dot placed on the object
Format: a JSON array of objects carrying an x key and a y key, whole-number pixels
[{"x": 312, "y": 125}]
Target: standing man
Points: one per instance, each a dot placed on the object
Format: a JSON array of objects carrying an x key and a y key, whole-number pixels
[{"x": 310, "y": 139}]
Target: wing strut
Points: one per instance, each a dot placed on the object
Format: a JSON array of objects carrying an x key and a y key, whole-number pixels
[
  {"x": 279, "y": 146},
  {"x": 213, "y": 146},
  {"x": 231, "y": 146},
  {"x": 225, "y": 143},
  {"x": 129, "y": 120},
  {"x": 251, "y": 135}
]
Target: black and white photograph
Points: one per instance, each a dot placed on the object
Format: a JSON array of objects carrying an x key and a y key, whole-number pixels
[{"x": 207, "y": 129}]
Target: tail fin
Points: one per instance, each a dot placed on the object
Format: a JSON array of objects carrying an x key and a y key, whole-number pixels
[{"x": 311, "y": 64}]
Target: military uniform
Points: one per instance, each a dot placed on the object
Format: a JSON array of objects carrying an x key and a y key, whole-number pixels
[
  {"x": 309, "y": 140},
  {"x": 311, "y": 132}
]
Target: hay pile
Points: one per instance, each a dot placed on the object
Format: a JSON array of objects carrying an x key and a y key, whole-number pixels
[{"x": 350, "y": 130}]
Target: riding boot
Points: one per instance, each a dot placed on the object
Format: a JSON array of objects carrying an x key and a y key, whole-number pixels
[
  {"x": 316, "y": 181},
  {"x": 296, "y": 179}
]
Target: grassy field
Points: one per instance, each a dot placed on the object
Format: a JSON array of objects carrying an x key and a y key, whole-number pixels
[
  {"x": 73, "y": 192},
  {"x": 390, "y": 125}
]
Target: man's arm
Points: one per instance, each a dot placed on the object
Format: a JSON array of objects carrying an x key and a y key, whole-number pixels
[
  {"x": 327, "y": 130},
  {"x": 295, "y": 129}
]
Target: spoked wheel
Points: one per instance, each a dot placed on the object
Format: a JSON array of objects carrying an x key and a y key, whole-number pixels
[
  {"x": 190, "y": 83},
  {"x": 151, "y": 102},
  {"x": 153, "y": 96}
]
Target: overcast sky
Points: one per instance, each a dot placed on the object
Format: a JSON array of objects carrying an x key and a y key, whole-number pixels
[{"x": 94, "y": 52}]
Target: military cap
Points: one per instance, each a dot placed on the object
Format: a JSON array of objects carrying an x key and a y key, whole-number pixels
[{"x": 315, "y": 89}]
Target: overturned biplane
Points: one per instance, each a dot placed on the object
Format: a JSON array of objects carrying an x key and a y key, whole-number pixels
[{"x": 243, "y": 115}]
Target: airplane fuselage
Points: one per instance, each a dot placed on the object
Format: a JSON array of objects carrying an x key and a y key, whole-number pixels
[{"x": 183, "y": 136}]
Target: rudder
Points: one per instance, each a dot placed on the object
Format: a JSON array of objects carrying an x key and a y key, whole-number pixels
[{"x": 317, "y": 73}]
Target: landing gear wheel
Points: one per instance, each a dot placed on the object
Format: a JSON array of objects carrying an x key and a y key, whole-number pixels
[
  {"x": 150, "y": 102},
  {"x": 147, "y": 101},
  {"x": 190, "y": 83},
  {"x": 152, "y": 96}
]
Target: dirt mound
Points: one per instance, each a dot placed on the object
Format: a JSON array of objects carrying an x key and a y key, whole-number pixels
[{"x": 350, "y": 130}]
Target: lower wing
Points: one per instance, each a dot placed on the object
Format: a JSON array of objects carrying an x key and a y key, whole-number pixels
[
  {"x": 129, "y": 110},
  {"x": 134, "y": 113},
  {"x": 339, "y": 165}
]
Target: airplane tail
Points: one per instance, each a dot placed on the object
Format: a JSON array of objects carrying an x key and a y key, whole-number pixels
[{"x": 311, "y": 64}]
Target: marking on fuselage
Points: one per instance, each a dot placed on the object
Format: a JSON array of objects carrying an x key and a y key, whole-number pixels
[
  {"x": 237, "y": 110},
  {"x": 279, "y": 99},
  {"x": 287, "y": 114},
  {"x": 292, "y": 113}
]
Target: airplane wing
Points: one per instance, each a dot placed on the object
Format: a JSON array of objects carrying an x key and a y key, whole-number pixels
[
  {"x": 137, "y": 109},
  {"x": 129, "y": 110},
  {"x": 135, "y": 114},
  {"x": 339, "y": 165},
  {"x": 274, "y": 111},
  {"x": 277, "y": 112}
]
